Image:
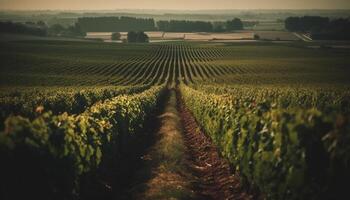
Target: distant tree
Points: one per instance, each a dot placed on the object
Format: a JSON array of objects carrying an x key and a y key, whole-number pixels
[
  {"x": 41, "y": 24},
  {"x": 219, "y": 29},
  {"x": 30, "y": 23},
  {"x": 306, "y": 23},
  {"x": 233, "y": 25},
  {"x": 256, "y": 37},
  {"x": 75, "y": 30},
  {"x": 292, "y": 24},
  {"x": 132, "y": 36},
  {"x": 250, "y": 23},
  {"x": 116, "y": 36},
  {"x": 115, "y": 24},
  {"x": 41, "y": 29},
  {"x": 337, "y": 29},
  {"x": 320, "y": 28},
  {"x": 142, "y": 37},
  {"x": 56, "y": 29},
  {"x": 137, "y": 37},
  {"x": 184, "y": 26},
  {"x": 19, "y": 28},
  {"x": 71, "y": 31}
]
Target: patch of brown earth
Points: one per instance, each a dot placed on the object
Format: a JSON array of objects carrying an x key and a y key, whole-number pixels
[
  {"x": 215, "y": 179},
  {"x": 166, "y": 161},
  {"x": 183, "y": 163}
]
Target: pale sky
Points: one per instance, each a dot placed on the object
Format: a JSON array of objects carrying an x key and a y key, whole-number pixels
[{"x": 172, "y": 4}]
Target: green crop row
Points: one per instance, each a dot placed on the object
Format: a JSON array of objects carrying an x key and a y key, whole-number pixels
[
  {"x": 329, "y": 98},
  {"x": 49, "y": 154},
  {"x": 73, "y": 101},
  {"x": 289, "y": 153}
]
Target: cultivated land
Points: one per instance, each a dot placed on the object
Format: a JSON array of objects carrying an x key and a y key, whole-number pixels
[
  {"x": 183, "y": 120},
  {"x": 67, "y": 63},
  {"x": 158, "y": 36}
]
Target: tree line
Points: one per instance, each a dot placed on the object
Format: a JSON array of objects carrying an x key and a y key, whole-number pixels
[
  {"x": 132, "y": 37},
  {"x": 184, "y": 26},
  {"x": 115, "y": 24},
  {"x": 320, "y": 27},
  {"x": 118, "y": 24},
  {"x": 138, "y": 36},
  {"x": 40, "y": 28},
  {"x": 125, "y": 24},
  {"x": 21, "y": 28}
]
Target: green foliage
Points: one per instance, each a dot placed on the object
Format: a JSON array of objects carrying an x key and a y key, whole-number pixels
[
  {"x": 286, "y": 151},
  {"x": 184, "y": 26},
  {"x": 139, "y": 36},
  {"x": 72, "y": 63},
  {"x": 28, "y": 28},
  {"x": 113, "y": 24},
  {"x": 284, "y": 124},
  {"x": 327, "y": 99},
  {"x": 59, "y": 30},
  {"x": 67, "y": 63},
  {"x": 63, "y": 147},
  {"x": 31, "y": 103},
  {"x": 116, "y": 36},
  {"x": 234, "y": 25}
]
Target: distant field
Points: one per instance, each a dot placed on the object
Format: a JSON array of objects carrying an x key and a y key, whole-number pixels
[
  {"x": 49, "y": 63},
  {"x": 276, "y": 35},
  {"x": 86, "y": 63},
  {"x": 203, "y": 36},
  {"x": 80, "y": 117},
  {"x": 239, "y": 35}
]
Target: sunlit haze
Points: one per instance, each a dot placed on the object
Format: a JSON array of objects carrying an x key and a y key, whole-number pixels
[{"x": 172, "y": 4}]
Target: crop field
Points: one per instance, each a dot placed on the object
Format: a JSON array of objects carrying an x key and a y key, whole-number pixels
[
  {"x": 82, "y": 120},
  {"x": 276, "y": 35},
  {"x": 189, "y": 36}
]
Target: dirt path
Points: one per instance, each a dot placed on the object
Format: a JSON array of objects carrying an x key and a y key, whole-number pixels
[
  {"x": 183, "y": 163},
  {"x": 164, "y": 174},
  {"x": 215, "y": 180}
]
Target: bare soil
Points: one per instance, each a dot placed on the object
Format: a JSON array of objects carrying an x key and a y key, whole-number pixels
[
  {"x": 214, "y": 177},
  {"x": 183, "y": 163}
]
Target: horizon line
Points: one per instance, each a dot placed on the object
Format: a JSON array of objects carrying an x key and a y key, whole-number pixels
[{"x": 148, "y": 9}]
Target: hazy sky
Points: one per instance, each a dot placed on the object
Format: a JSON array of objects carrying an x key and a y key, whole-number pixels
[{"x": 173, "y": 4}]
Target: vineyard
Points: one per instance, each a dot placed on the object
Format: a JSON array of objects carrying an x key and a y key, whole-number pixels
[{"x": 83, "y": 120}]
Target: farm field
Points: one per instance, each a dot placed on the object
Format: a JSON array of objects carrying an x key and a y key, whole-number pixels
[
  {"x": 247, "y": 35},
  {"x": 276, "y": 35},
  {"x": 179, "y": 119},
  {"x": 157, "y": 36}
]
